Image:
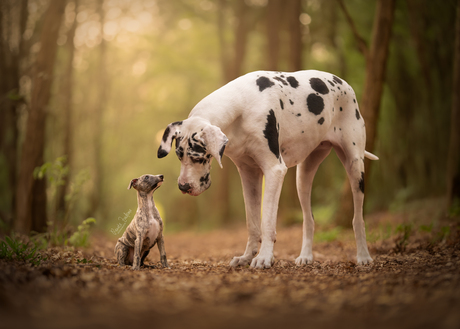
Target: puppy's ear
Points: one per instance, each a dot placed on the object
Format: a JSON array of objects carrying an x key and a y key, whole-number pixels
[
  {"x": 215, "y": 141},
  {"x": 132, "y": 183},
  {"x": 171, "y": 132}
]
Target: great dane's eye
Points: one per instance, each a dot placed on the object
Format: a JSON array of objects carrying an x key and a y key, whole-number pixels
[
  {"x": 198, "y": 160},
  {"x": 180, "y": 152}
]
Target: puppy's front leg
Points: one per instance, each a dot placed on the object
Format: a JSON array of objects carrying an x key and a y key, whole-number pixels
[
  {"x": 137, "y": 252},
  {"x": 161, "y": 248}
]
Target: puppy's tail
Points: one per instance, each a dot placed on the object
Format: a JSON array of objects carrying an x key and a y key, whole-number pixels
[{"x": 370, "y": 156}]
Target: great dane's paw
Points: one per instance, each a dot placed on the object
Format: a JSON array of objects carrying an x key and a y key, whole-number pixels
[
  {"x": 240, "y": 261},
  {"x": 304, "y": 260},
  {"x": 364, "y": 260},
  {"x": 263, "y": 261}
]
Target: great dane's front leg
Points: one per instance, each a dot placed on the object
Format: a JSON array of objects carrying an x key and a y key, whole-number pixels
[
  {"x": 251, "y": 179},
  {"x": 274, "y": 178}
]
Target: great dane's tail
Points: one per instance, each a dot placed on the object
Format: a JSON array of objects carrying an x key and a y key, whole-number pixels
[{"x": 370, "y": 156}]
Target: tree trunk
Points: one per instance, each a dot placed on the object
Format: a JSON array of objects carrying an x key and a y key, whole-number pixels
[
  {"x": 295, "y": 35},
  {"x": 274, "y": 10},
  {"x": 67, "y": 91},
  {"x": 376, "y": 59},
  {"x": 231, "y": 66},
  {"x": 31, "y": 194},
  {"x": 10, "y": 100},
  {"x": 453, "y": 161},
  {"x": 96, "y": 199}
]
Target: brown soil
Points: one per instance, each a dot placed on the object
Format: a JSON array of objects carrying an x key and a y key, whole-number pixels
[{"x": 416, "y": 288}]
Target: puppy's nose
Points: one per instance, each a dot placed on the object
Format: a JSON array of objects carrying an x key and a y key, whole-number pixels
[
  {"x": 161, "y": 177},
  {"x": 184, "y": 187}
]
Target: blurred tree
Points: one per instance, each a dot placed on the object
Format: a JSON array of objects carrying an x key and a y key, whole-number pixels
[
  {"x": 453, "y": 162},
  {"x": 97, "y": 197},
  {"x": 376, "y": 58},
  {"x": 30, "y": 193},
  {"x": 232, "y": 61},
  {"x": 13, "y": 19},
  {"x": 67, "y": 91}
]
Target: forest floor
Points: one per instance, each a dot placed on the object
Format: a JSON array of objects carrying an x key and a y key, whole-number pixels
[{"x": 414, "y": 282}]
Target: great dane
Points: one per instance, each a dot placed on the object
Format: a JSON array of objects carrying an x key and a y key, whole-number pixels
[{"x": 267, "y": 122}]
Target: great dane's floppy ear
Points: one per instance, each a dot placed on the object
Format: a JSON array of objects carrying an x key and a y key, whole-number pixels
[
  {"x": 131, "y": 183},
  {"x": 215, "y": 141},
  {"x": 169, "y": 135}
]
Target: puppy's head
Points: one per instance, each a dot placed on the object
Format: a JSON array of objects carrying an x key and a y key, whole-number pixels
[
  {"x": 146, "y": 183},
  {"x": 197, "y": 142}
]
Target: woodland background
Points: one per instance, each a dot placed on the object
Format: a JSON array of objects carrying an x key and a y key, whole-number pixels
[{"x": 88, "y": 86}]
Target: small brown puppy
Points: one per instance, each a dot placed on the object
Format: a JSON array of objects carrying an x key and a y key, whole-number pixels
[{"x": 145, "y": 229}]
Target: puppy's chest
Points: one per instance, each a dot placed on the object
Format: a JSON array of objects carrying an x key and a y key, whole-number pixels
[
  {"x": 148, "y": 224},
  {"x": 151, "y": 228}
]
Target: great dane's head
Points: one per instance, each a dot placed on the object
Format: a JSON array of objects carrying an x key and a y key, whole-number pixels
[{"x": 197, "y": 142}]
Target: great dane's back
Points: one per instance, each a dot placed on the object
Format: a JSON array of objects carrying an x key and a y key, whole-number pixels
[{"x": 266, "y": 122}]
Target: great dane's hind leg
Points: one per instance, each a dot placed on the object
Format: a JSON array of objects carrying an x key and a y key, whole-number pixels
[
  {"x": 305, "y": 174},
  {"x": 354, "y": 165},
  {"x": 274, "y": 177},
  {"x": 251, "y": 179}
]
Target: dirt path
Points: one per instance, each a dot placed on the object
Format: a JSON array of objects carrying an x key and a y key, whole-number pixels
[{"x": 416, "y": 289}]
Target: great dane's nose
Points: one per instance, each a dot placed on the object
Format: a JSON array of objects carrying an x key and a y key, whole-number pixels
[
  {"x": 161, "y": 177},
  {"x": 184, "y": 187}
]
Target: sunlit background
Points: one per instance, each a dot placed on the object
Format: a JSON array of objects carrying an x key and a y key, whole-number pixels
[{"x": 140, "y": 64}]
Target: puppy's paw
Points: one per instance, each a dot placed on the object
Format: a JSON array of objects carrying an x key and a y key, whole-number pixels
[
  {"x": 304, "y": 260},
  {"x": 240, "y": 261},
  {"x": 262, "y": 261}
]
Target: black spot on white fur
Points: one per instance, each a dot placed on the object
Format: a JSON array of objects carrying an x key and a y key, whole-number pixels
[
  {"x": 357, "y": 114},
  {"x": 315, "y": 104},
  {"x": 293, "y": 82},
  {"x": 281, "y": 104},
  {"x": 281, "y": 80},
  {"x": 264, "y": 83},
  {"x": 319, "y": 86},
  {"x": 321, "y": 121},
  {"x": 336, "y": 80},
  {"x": 271, "y": 133}
]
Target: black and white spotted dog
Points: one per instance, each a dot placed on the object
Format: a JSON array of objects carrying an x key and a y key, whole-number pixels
[{"x": 267, "y": 122}]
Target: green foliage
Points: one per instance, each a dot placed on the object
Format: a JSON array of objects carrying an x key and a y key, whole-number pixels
[
  {"x": 454, "y": 210},
  {"x": 80, "y": 238},
  {"x": 381, "y": 233},
  {"x": 443, "y": 234},
  {"x": 12, "y": 248},
  {"x": 84, "y": 261},
  {"x": 426, "y": 228},
  {"x": 56, "y": 171},
  {"x": 404, "y": 232},
  {"x": 53, "y": 237},
  {"x": 327, "y": 235},
  {"x": 64, "y": 237}
]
